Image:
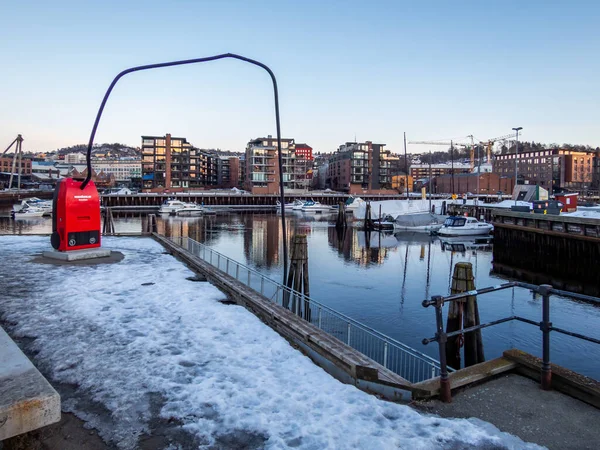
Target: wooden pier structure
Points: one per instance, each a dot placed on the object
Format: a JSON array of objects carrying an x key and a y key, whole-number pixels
[{"x": 562, "y": 248}]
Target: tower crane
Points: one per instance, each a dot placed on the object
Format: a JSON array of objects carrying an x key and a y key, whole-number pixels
[
  {"x": 450, "y": 144},
  {"x": 18, "y": 154},
  {"x": 490, "y": 142}
]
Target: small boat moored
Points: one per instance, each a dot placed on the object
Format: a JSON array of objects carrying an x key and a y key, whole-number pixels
[
  {"x": 464, "y": 226},
  {"x": 316, "y": 207},
  {"x": 28, "y": 212}
]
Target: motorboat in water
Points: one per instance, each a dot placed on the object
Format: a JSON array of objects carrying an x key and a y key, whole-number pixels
[
  {"x": 28, "y": 212},
  {"x": 423, "y": 222},
  {"x": 170, "y": 206},
  {"x": 34, "y": 202},
  {"x": 464, "y": 226},
  {"x": 192, "y": 209},
  {"x": 288, "y": 206},
  {"x": 297, "y": 205},
  {"x": 316, "y": 207}
]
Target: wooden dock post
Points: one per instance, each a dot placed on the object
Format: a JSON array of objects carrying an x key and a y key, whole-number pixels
[
  {"x": 109, "y": 223},
  {"x": 463, "y": 314},
  {"x": 298, "y": 277},
  {"x": 342, "y": 221},
  {"x": 368, "y": 225}
]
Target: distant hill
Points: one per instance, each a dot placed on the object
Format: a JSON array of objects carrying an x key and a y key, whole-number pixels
[{"x": 114, "y": 150}]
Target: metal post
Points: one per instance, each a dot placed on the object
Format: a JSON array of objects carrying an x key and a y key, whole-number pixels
[
  {"x": 237, "y": 271},
  {"x": 445, "y": 392},
  {"x": 348, "y": 333},
  {"x": 319, "y": 317},
  {"x": 545, "y": 326},
  {"x": 227, "y": 267},
  {"x": 385, "y": 354},
  {"x": 516, "y": 158}
]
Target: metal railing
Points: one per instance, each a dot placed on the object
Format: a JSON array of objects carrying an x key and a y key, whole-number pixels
[
  {"x": 545, "y": 290},
  {"x": 393, "y": 355}
]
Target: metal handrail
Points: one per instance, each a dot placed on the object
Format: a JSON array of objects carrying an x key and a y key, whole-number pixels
[
  {"x": 387, "y": 342},
  {"x": 545, "y": 290}
]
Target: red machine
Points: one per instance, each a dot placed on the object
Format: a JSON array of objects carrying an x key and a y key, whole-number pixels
[{"x": 75, "y": 216}]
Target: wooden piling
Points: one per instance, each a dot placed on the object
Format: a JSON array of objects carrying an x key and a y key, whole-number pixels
[
  {"x": 368, "y": 225},
  {"x": 109, "y": 223},
  {"x": 342, "y": 221},
  {"x": 298, "y": 279},
  {"x": 463, "y": 314}
]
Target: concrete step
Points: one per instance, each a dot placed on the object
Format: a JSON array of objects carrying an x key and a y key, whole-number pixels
[{"x": 27, "y": 401}]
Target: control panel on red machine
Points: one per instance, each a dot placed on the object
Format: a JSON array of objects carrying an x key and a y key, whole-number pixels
[{"x": 75, "y": 216}]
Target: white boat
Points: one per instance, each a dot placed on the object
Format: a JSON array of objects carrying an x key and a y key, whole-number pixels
[
  {"x": 170, "y": 206},
  {"x": 464, "y": 226},
  {"x": 28, "y": 212},
  {"x": 34, "y": 202},
  {"x": 288, "y": 206},
  {"x": 316, "y": 207},
  {"x": 298, "y": 204},
  {"x": 353, "y": 203},
  {"x": 192, "y": 209},
  {"x": 419, "y": 222}
]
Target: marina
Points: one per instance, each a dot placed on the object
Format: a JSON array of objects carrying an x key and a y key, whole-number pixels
[{"x": 379, "y": 279}]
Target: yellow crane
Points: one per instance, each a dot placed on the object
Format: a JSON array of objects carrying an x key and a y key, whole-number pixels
[{"x": 490, "y": 142}]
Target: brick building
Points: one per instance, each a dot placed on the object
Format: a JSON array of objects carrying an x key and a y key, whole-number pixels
[
  {"x": 6, "y": 165},
  {"x": 489, "y": 184},
  {"x": 359, "y": 168},
  {"x": 171, "y": 162},
  {"x": 262, "y": 166},
  {"x": 553, "y": 170}
]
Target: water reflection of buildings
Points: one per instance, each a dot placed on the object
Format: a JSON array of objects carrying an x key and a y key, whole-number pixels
[
  {"x": 262, "y": 234},
  {"x": 360, "y": 247}
]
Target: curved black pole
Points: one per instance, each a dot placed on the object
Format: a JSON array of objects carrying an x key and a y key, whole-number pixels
[{"x": 194, "y": 61}]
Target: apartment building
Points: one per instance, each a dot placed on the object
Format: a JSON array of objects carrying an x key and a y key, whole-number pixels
[
  {"x": 303, "y": 166},
  {"x": 6, "y": 165},
  {"x": 172, "y": 162},
  {"x": 228, "y": 171},
  {"x": 262, "y": 168},
  {"x": 555, "y": 169},
  {"x": 359, "y": 167}
]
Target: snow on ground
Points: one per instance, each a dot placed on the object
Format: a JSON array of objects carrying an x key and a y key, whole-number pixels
[{"x": 220, "y": 371}]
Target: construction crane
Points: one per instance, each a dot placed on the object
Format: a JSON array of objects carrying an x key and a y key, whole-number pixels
[
  {"x": 490, "y": 142},
  {"x": 18, "y": 153},
  {"x": 450, "y": 144}
]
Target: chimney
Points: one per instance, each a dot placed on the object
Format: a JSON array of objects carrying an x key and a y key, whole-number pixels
[{"x": 168, "y": 161}]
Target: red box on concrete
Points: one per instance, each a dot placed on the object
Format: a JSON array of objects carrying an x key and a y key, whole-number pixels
[{"x": 75, "y": 216}]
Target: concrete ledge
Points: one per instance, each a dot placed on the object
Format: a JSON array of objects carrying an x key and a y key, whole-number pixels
[
  {"x": 78, "y": 255},
  {"x": 563, "y": 380},
  {"x": 27, "y": 401},
  {"x": 464, "y": 377}
]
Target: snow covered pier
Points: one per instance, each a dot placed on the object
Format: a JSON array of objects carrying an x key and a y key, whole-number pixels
[{"x": 141, "y": 350}]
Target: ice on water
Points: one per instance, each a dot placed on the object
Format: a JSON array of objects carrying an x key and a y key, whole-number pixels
[{"x": 217, "y": 370}]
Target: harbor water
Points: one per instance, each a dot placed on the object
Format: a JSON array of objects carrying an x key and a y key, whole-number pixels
[{"x": 380, "y": 279}]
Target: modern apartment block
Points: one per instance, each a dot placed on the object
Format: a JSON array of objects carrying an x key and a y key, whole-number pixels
[
  {"x": 262, "y": 168},
  {"x": 550, "y": 169},
  {"x": 359, "y": 167},
  {"x": 172, "y": 162},
  {"x": 228, "y": 171}
]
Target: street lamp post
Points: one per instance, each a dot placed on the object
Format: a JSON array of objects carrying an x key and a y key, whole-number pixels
[{"x": 517, "y": 129}]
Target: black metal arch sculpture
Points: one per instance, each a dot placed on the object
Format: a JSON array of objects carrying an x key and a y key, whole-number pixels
[{"x": 194, "y": 61}]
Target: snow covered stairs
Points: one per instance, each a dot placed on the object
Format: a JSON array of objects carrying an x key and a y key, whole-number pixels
[{"x": 27, "y": 401}]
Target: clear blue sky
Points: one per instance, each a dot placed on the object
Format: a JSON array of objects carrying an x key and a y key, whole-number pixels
[{"x": 372, "y": 69}]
